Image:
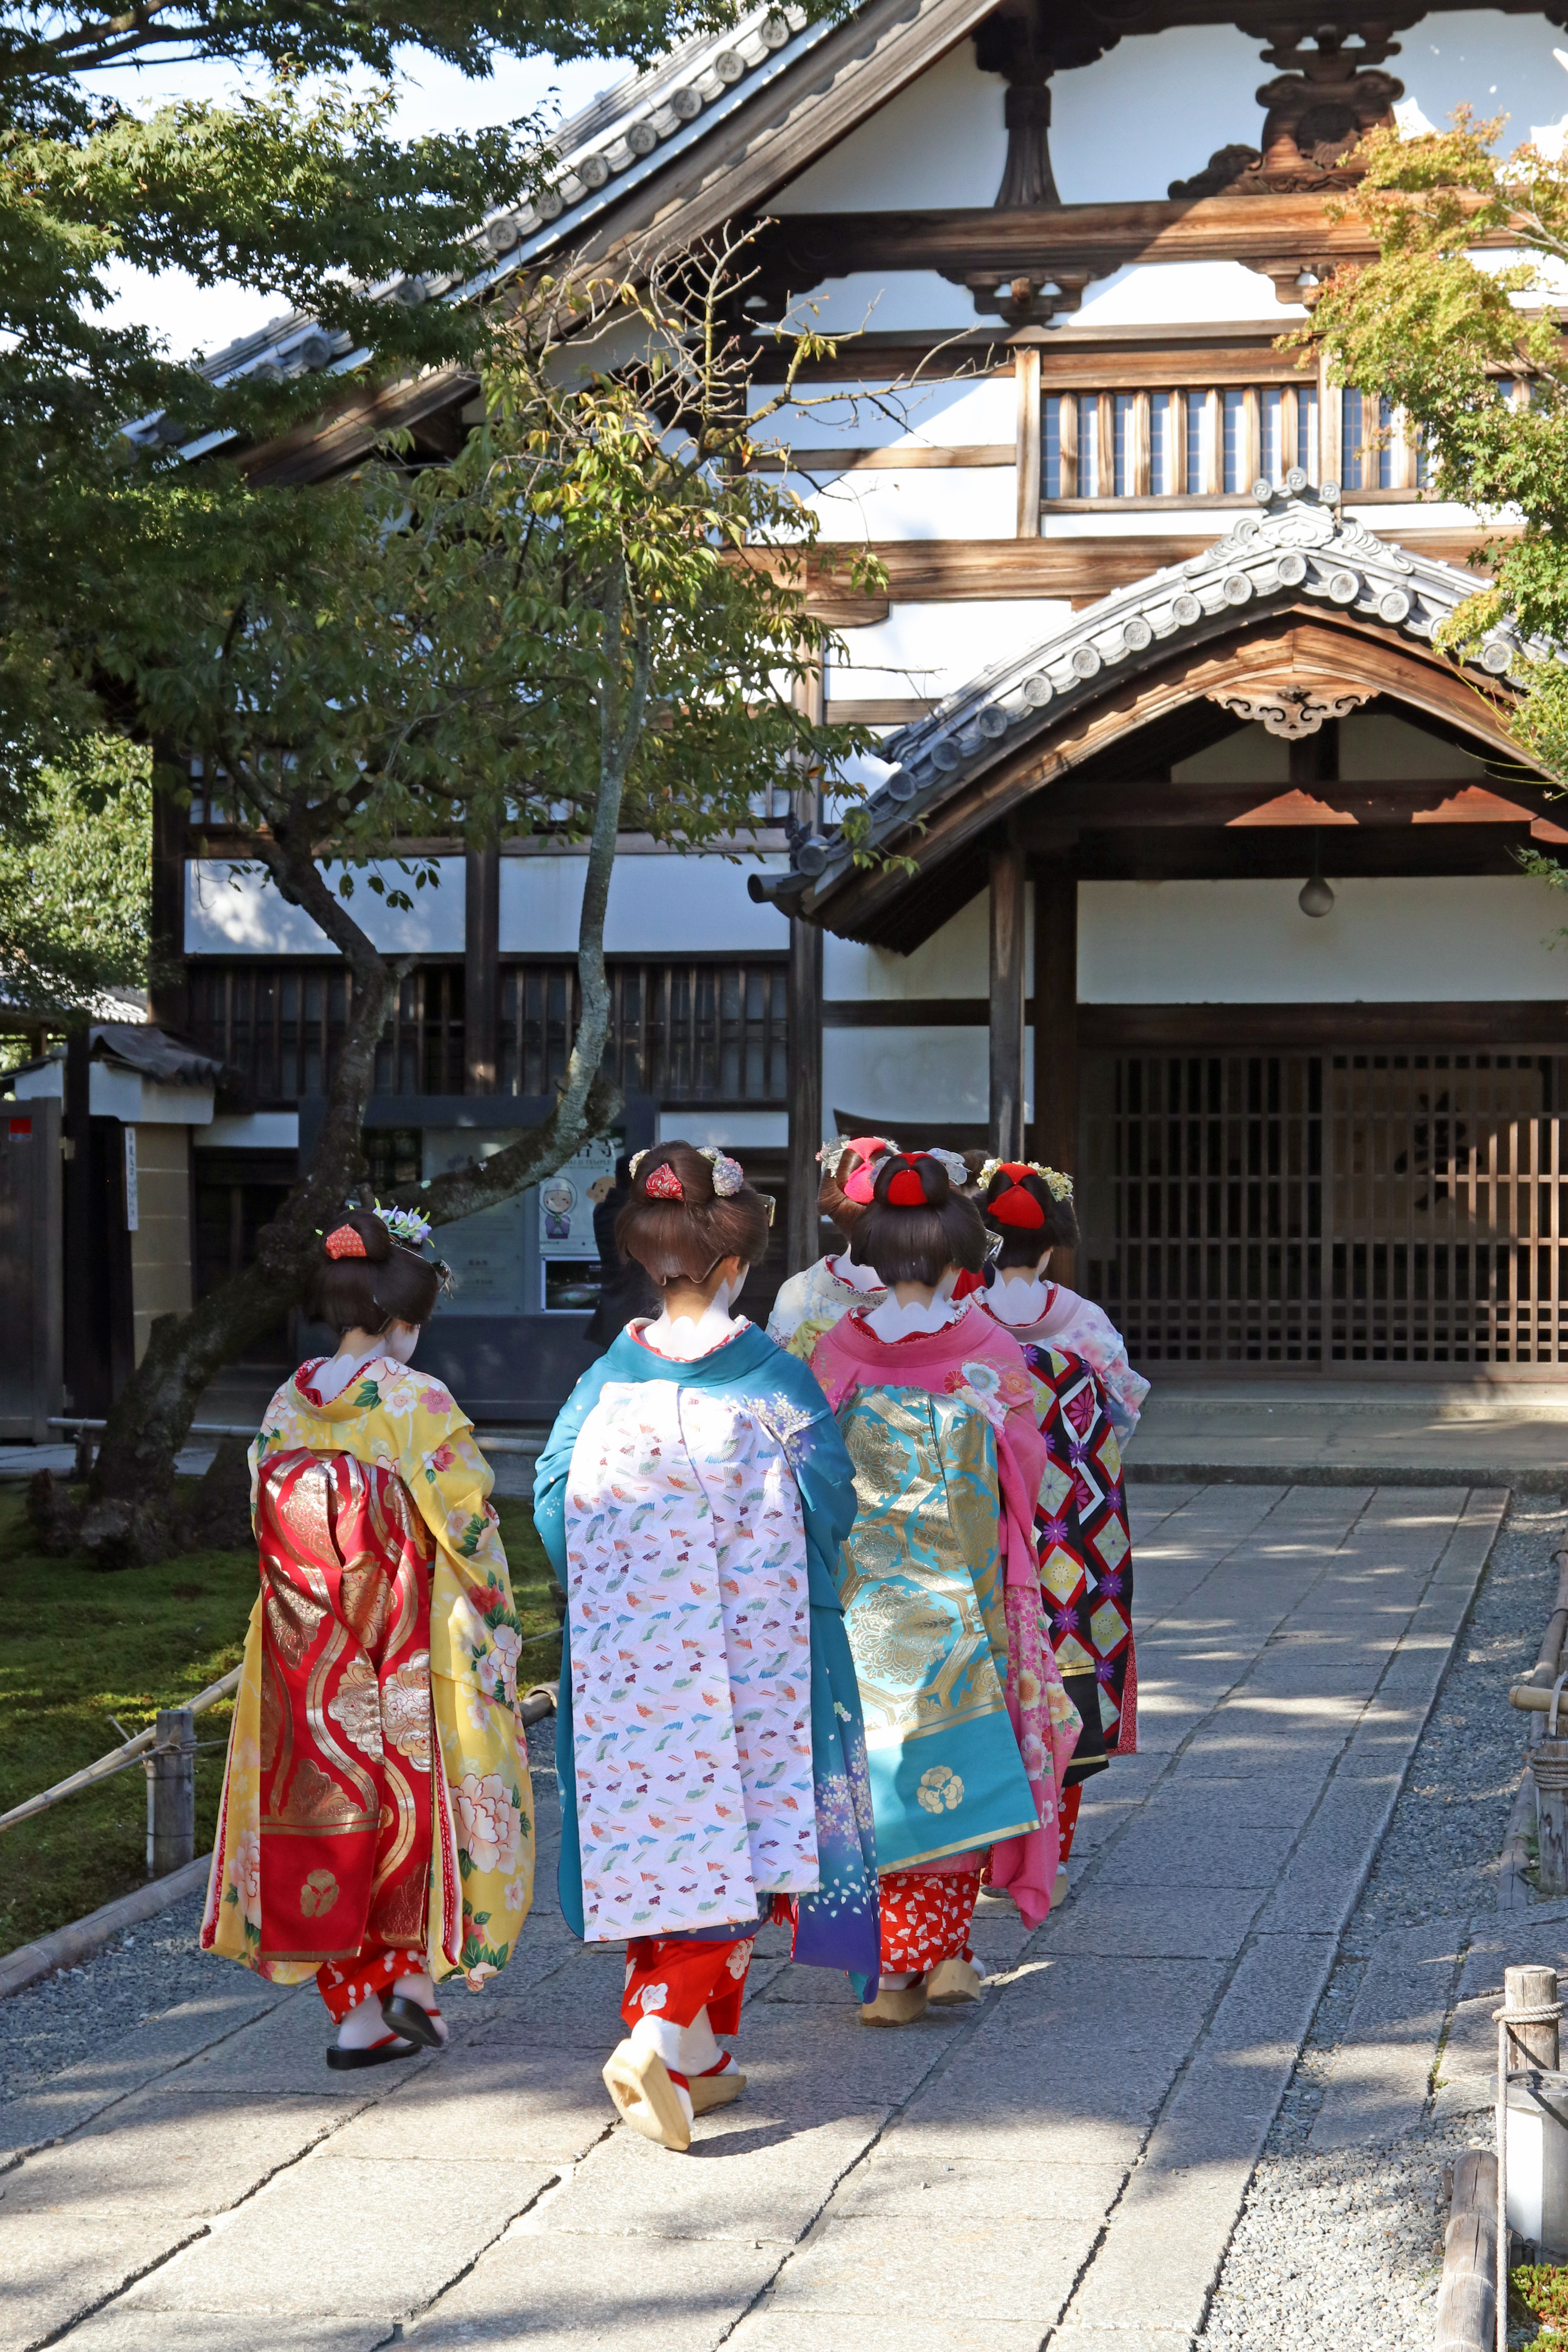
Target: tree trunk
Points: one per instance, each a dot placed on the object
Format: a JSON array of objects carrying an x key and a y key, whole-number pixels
[{"x": 130, "y": 1517}]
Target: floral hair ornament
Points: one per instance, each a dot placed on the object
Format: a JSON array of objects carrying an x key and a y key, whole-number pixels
[
  {"x": 662, "y": 1183},
  {"x": 344, "y": 1241},
  {"x": 833, "y": 1148},
  {"x": 405, "y": 1226},
  {"x": 1058, "y": 1186},
  {"x": 634, "y": 1162},
  {"x": 957, "y": 1171},
  {"x": 728, "y": 1174}
]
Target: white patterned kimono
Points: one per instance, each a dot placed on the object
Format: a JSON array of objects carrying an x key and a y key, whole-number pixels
[{"x": 690, "y": 1645}]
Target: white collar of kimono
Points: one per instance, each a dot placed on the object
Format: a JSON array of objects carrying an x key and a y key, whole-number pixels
[
  {"x": 859, "y": 1278},
  {"x": 892, "y": 1321},
  {"x": 333, "y": 1378},
  {"x": 682, "y": 1341},
  {"x": 1020, "y": 1302}
]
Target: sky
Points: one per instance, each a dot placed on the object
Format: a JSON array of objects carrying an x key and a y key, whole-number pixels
[{"x": 432, "y": 97}]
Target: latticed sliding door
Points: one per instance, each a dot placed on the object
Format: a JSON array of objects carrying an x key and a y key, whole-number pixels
[{"x": 1330, "y": 1207}]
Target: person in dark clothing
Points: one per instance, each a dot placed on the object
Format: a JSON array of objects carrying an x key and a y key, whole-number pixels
[{"x": 624, "y": 1289}]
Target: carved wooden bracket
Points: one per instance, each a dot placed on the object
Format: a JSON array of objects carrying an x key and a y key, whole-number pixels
[
  {"x": 1317, "y": 114},
  {"x": 1292, "y": 711}
]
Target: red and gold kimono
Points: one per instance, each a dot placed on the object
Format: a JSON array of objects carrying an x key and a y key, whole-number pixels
[{"x": 376, "y": 1816}]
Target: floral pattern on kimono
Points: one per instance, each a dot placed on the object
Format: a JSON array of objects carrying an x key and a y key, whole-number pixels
[
  {"x": 690, "y": 1663},
  {"x": 775, "y": 1416},
  {"x": 926, "y": 1493},
  {"x": 809, "y": 1304},
  {"x": 1080, "y": 1327},
  {"x": 400, "y": 1420}
]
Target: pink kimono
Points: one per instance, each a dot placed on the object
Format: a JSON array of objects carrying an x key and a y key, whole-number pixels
[{"x": 977, "y": 1363}]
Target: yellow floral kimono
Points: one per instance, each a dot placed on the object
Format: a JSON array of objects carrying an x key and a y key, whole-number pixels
[{"x": 404, "y": 1422}]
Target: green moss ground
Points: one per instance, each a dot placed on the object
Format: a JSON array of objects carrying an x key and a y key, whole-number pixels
[{"x": 78, "y": 1647}]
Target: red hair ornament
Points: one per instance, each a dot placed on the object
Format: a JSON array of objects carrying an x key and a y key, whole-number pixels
[
  {"x": 344, "y": 1241},
  {"x": 663, "y": 1183},
  {"x": 1016, "y": 1207},
  {"x": 905, "y": 1191}
]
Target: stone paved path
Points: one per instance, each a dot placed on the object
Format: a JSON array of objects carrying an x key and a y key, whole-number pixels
[{"x": 1065, "y": 2163}]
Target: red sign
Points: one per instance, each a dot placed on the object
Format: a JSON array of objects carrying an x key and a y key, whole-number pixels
[{"x": 23, "y": 1127}]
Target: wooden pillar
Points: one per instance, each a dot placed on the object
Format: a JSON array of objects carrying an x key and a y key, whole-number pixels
[
  {"x": 804, "y": 1066},
  {"x": 169, "y": 996},
  {"x": 481, "y": 969},
  {"x": 85, "y": 1379},
  {"x": 1056, "y": 1019},
  {"x": 1026, "y": 366},
  {"x": 1008, "y": 901}
]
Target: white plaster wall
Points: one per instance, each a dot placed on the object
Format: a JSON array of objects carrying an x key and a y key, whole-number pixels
[
  {"x": 1373, "y": 749},
  {"x": 659, "y": 905},
  {"x": 1172, "y": 293},
  {"x": 239, "y": 912},
  {"x": 956, "y": 502},
  {"x": 938, "y": 415},
  {"x": 731, "y": 1130},
  {"x": 1486, "y": 937},
  {"x": 1496, "y": 64},
  {"x": 930, "y": 649},
  {"x": 1154, "y": 111},
  {"x": 879, "y": 304},
  {"x": 942, "y": 141},
  {"x": 955, "y": 961},
  {"x": 901, "y": 1076}
]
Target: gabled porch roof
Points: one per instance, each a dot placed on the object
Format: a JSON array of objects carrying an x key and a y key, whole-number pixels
[{"x": 1218, "y": 626}]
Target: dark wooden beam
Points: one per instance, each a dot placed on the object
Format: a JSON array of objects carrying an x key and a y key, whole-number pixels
[
  {"x": 934, "y": 571},
  {"x": 803, "y": 1077},
  {"x": 1057, "y": 1019},
  {"x": 168, "y": 996},
  {"x": 1180, "y": 1028},
  {"x": 481, "y": 969},
  {"x": 1009, "y": 900}
]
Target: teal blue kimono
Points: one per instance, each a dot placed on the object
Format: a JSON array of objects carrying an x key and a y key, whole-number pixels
[{"x": 838, "y": 1926}]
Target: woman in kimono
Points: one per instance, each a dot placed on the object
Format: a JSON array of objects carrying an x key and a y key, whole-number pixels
[
  {"x": 692, "y": 1497},
  {"x": 376, "y": 1825},
  {"x": 967, "y": 1726},
  {"x": 808, "y": 1303},
  {"x": 1085, "y": 1547}
]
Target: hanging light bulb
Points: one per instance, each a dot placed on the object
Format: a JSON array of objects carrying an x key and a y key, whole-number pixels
[{"x": 1315, "y": 897}]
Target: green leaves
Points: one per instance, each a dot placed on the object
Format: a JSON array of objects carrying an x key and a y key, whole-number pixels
[
  {"x": 1473, "y": 354},
  {"x": 74, "y": 883}
]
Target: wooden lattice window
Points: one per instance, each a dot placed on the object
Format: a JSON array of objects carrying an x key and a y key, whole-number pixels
[
  {"x": 280, "y": 1027},
  {"x": 1330, "y": 1207},
  {"x": 685, "y": 1031}
]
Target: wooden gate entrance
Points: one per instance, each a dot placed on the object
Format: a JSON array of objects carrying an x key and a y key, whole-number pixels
[{"x": 1327, "y": 1208}]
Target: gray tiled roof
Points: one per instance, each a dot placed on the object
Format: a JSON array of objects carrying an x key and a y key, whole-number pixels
[{"x": 627, "y": 133}]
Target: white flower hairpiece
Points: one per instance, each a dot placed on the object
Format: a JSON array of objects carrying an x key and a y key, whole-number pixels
[
  {"x": 636, "y": 1162},
  {"x": 728, "y": 1174},
  {"x": 833, "y": 1148},
  {"x": 957, "y": 1173},
  {"x": 405, "y": 1225}
]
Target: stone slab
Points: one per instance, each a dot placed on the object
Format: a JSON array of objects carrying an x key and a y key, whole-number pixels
[
  {"x": 184, "y": 2155},
  {"x": 1381, "y": 2069},
  {"x": 531, "y": 2293},
  {"x": 362, "y": 2240}
]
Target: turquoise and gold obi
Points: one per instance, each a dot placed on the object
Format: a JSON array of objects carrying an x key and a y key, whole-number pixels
[{"x": 920, "y": 1583}]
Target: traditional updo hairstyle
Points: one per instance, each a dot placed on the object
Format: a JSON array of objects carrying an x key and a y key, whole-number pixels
[
  {"x": 688, "y": 1211},
  {"x": 918, "y": 1222},
  {"x": 365, "y": 1281},
  {"x": 1032, "y": 1210},
  {"x": 845, "y": 1191}
]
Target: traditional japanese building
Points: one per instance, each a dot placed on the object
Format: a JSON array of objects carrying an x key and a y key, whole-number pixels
[{"x": 1216, "y": 897}]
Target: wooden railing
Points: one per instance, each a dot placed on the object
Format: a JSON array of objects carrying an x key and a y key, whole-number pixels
[{"x": 1188, "y": 443}]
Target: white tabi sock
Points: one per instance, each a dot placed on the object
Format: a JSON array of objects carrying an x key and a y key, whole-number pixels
[
  {"x": 421, "y": 1989},
  {"x": 699, "y": 2050},
  {"x": 363, "y": 2027},
  {"x": 898, "y": 1979},
  {"x": 658, "y": 2034}
]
